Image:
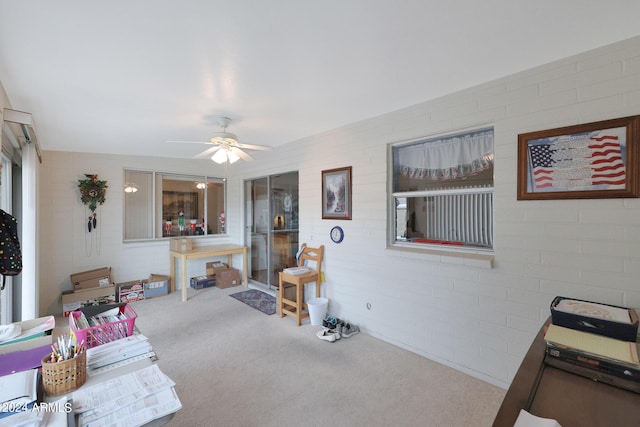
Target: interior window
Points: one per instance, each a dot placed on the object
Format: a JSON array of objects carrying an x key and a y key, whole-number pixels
[
  {"x": 160, "y": 205},
  {"x": 442, "y": 192}
]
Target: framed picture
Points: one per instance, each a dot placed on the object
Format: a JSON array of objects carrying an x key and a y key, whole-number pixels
[
  {"x": 336, "y": 193},
  {"x": 588, "y": 161}
]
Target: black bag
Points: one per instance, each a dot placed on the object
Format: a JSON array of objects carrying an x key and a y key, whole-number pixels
[{"x": 10, "y": 255}]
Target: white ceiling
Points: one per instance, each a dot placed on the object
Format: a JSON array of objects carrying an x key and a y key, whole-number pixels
[{"x": 124, "y": 77}]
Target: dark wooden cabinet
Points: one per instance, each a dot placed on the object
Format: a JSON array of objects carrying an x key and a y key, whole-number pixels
[{"x": 570, "y": 399}]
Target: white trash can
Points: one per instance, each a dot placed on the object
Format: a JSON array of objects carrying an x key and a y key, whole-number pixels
[{"x": 317, "y": 310}]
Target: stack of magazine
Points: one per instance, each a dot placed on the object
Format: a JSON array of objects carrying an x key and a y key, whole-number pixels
[{"x": 594, "y": 340}]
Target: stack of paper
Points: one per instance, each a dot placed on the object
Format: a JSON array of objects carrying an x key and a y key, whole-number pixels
[
  {"x": 118, "y": 351},
  {"x": 297, "y": 271},
  {"x": 598, "y": 345},
  {"x": 526, "y": 419},
  {"x": 129, "y": 400},
  {"x": 18, "y": 391}
]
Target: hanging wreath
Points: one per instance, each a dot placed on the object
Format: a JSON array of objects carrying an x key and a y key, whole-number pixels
[{"x": 92, "y": 191}]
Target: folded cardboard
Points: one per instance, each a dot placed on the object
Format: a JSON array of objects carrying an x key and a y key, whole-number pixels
[
  {"x": 99, "y": 277},
  {"x": 215, "y": 266},
  {"x": 201, "y": 282},
  {"x": 180, "y": 244},
  {"x": 157, "y": 285},
  {"x": 131, "y": 291},
  {"x": 74, "y": 300},
  {"x": 603, "y": 319},
  {"x": 227, "y": 278},
  {"x": 33, "y": 350}
]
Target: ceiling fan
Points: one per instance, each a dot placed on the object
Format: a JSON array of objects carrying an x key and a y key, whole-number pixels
[{"x": 225, "y": 146}]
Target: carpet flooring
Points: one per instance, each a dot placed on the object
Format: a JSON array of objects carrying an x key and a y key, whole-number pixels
[
  {"x": 236, "y": 367},
  {"x": 257, "y": 299}
]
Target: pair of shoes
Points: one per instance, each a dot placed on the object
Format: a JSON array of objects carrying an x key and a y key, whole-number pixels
[
  {"x": 327, "y": 335},
  {"x": 349, "y": 330},
  {"x": 333, "y": 323}
]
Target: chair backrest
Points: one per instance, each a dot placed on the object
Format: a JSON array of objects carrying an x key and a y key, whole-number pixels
[{"x": 311, "y": 254}]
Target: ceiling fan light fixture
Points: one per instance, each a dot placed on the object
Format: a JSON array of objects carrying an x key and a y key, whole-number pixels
[
  {"x": 233, "y": 157},
  {"x": 223, "y": 155},
  {"x": 220, "y": 157},
  {"x": 130, "y": 188}
]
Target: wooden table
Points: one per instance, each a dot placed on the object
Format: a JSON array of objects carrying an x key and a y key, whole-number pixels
[
  {"x": 205, "y": 252},
  {"x": 570, "y": 399}
]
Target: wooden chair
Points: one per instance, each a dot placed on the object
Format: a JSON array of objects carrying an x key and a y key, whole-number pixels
[{"x": 296, "y": 308}]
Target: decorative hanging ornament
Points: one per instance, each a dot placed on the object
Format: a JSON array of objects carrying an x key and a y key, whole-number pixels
[{"x": 92, "y": 193}]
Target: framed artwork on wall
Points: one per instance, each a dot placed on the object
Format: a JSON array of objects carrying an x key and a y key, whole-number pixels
[
  {"x": 587, "y": 161},
  {"x": 336, "y": 193}
]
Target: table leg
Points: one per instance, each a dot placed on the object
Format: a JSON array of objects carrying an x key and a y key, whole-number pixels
[
  {"x": 172, "y": 273},
  {"x": 183, "y": 266}
]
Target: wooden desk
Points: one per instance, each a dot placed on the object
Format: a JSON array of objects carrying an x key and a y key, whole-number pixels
[
  {"x": 572, "y": 400},
  {"x": 205, "y": 252}
]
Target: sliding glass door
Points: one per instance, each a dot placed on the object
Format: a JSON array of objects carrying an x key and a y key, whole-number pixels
[{"x": 271, "y": 206}]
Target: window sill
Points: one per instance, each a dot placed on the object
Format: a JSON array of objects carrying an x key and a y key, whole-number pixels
[{"x": 468, "y": 258}]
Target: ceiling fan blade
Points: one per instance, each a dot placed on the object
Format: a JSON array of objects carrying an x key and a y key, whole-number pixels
[
  {"x": 209, "y": 151},
  {"x": 192, "y": 142},
  {"x": 241, "y": 154},
  {"x": 252, "y": 147}
]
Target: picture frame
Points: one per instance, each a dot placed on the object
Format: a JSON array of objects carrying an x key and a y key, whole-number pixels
[
  {"x": 336, "y": 193},
  {"x": 587, "y": 161}
]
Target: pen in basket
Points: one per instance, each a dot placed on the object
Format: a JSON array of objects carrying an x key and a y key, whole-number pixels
[{"x": 65, "y": 348}]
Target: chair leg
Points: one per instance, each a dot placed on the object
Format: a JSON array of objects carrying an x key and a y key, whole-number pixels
[
  {"x": 299, "y": 302},
  {"x": 281, "y": 296}
]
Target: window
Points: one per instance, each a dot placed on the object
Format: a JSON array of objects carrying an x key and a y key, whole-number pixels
[
  {"x": 442, "y": 192},
  {"x": 159, "y": 205}
]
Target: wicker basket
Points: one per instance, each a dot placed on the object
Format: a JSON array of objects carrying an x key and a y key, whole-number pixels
[{"x": 65, "y": 376}]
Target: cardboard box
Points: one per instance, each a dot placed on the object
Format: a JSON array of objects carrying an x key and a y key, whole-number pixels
[
  {"x": 227, "y": 278},
  {"x": 99, "y": 277},
  {"x": 201, "y": 282},
  {"x": 180, "y": 244},
  {"x": 215, "y": 266},
  {"x": 131, "y": 291},
  {"x": 157, "y": 285},
  {"x": 74, "y": 300}
]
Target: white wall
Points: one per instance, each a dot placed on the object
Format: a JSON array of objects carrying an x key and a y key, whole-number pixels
[
  {"x": 476, "y": 319},
  {"x": 65, "y": 245}
]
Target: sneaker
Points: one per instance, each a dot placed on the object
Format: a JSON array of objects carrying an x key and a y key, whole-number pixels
[
  {"x": 337, "y": 331},
  {"x": 349, "y": 330},
  {"x": 326, "y": 335}
]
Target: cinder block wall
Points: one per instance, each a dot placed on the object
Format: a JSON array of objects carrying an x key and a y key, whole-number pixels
[
  {"x": 479, "y": 320},
  {"x": 476, "y": 318}
]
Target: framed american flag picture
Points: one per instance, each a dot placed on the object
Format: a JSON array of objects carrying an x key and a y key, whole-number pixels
[{"x": 587, "y": 161}]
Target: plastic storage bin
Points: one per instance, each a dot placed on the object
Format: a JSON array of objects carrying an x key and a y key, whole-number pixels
[{"x": 100, "y": 334}]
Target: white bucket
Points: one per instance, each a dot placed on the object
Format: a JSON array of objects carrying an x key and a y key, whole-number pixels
[{"x": 317, "y": 310}]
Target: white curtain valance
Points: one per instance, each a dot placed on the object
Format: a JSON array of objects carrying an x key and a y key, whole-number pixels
[{"x": 447, "y": 158}]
